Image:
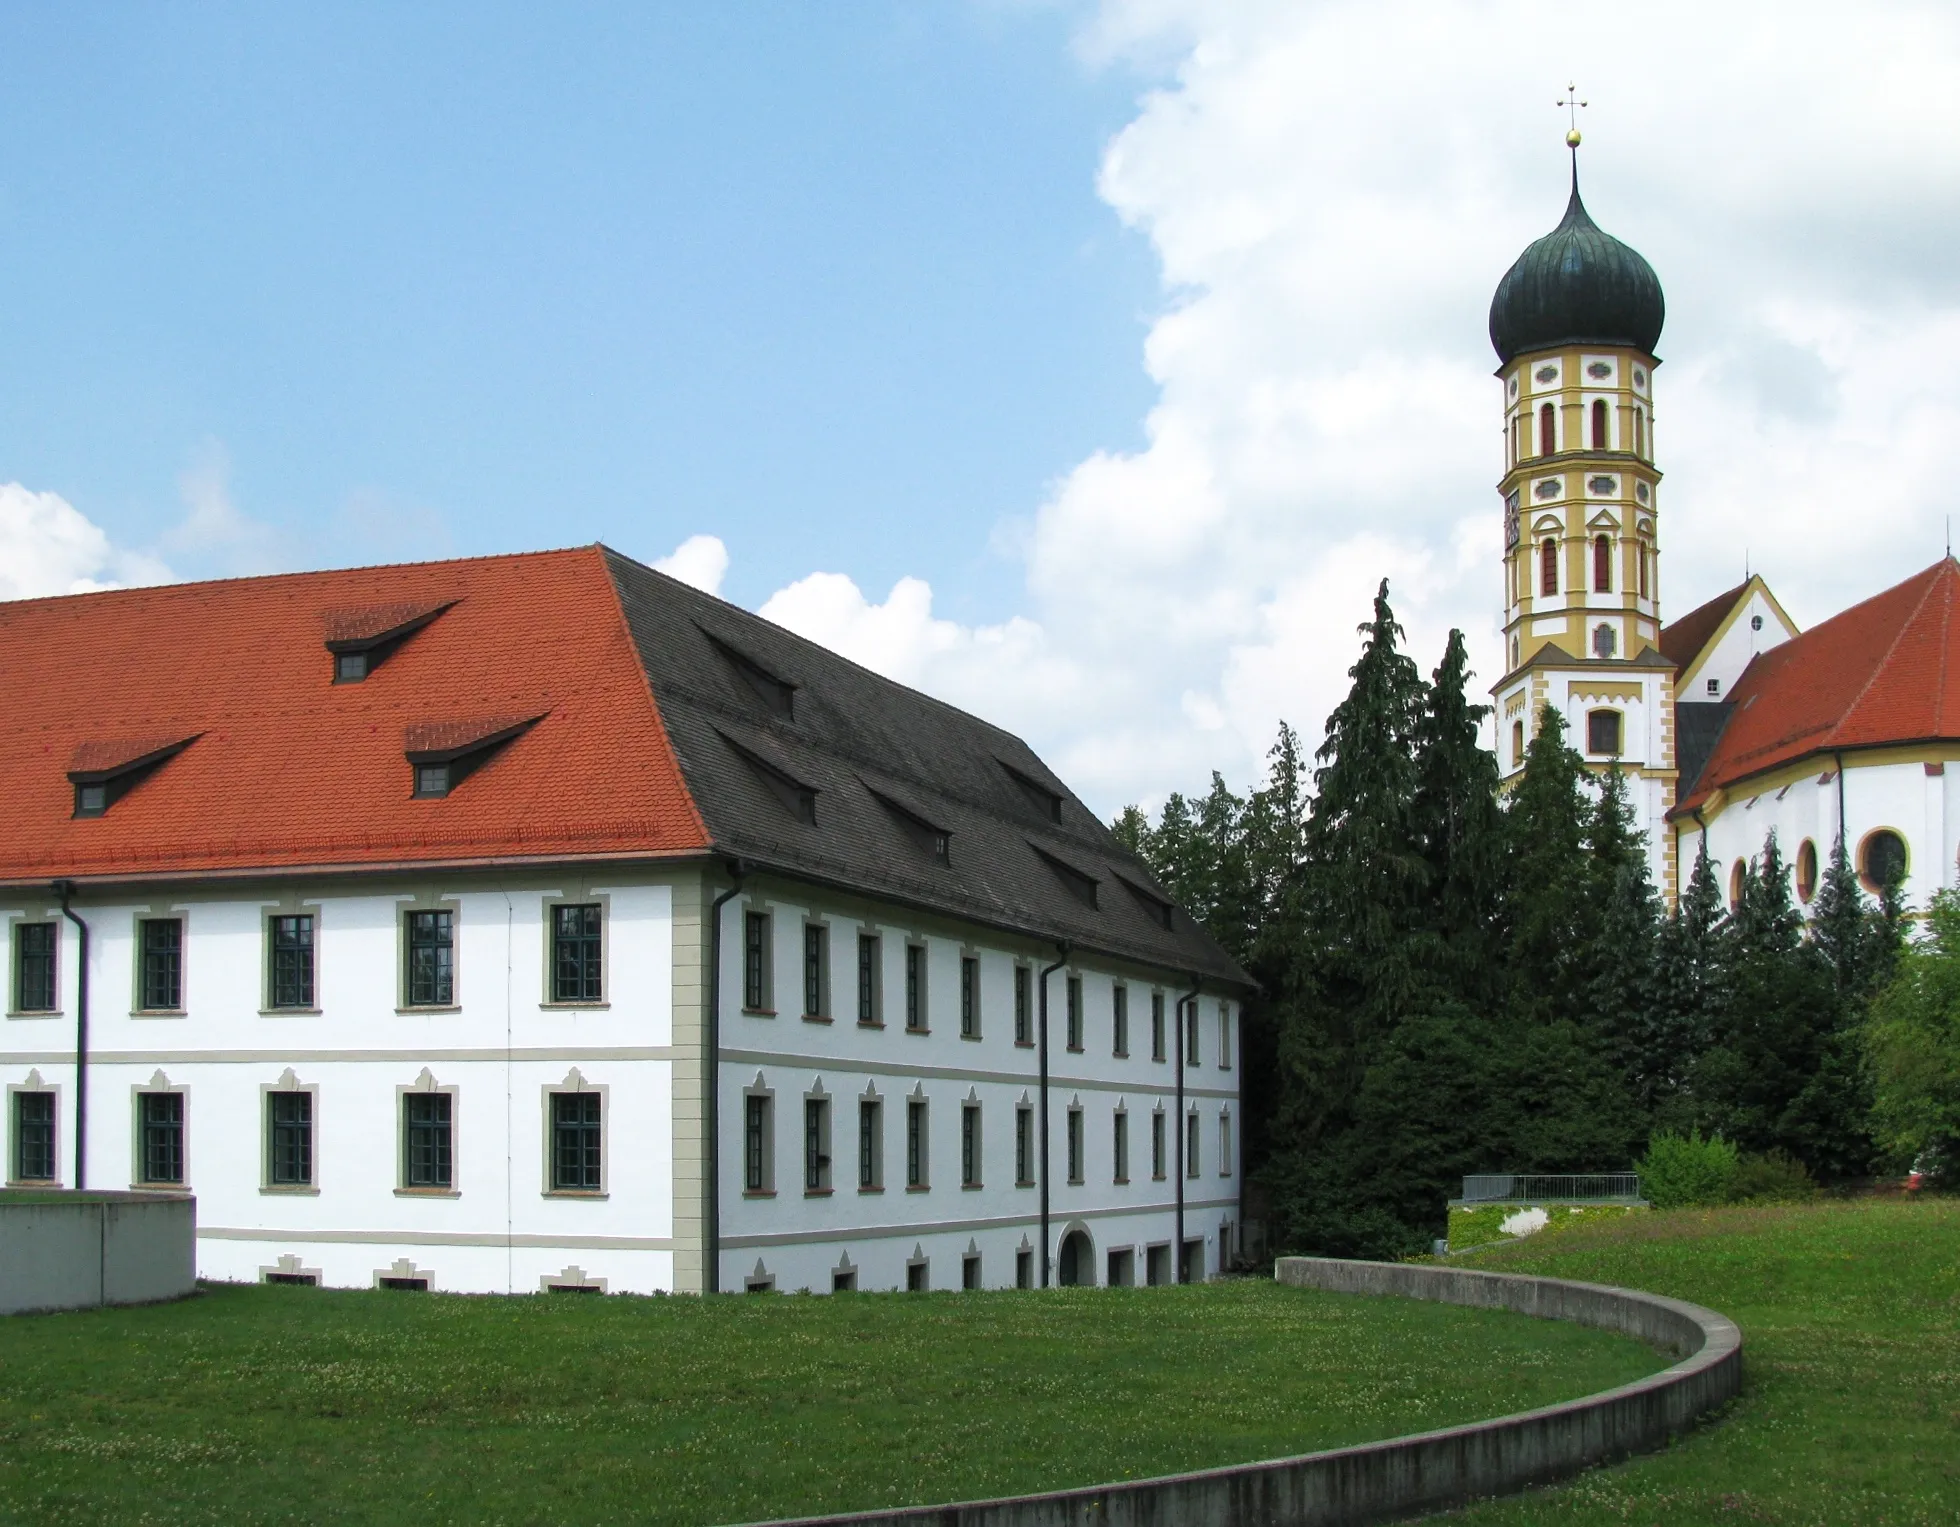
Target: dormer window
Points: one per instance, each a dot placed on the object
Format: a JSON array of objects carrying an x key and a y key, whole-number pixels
[
  {"x": 778, "y": 696},
  {"x": 363, "y": 638},
  {"x": 104, "y": 772},
  {"x": 1044, "y": 799},
  {"x": 1155, "y": 907},
  {"x": 798, "y": 798},
  {"x": 1081, "y": 884},
  {"x": 935, "y": 842},
  {"x": 442, "y": 754}
]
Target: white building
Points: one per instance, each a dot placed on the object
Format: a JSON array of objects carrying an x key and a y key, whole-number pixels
[{"x": 402, "y": 892}]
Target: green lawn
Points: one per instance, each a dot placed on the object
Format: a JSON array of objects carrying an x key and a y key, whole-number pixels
[
  {"x": 1850, "y": 1412},
  {"x": 263, "y": 1404}
]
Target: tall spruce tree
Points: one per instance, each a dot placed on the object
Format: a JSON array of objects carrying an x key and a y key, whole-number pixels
[
  {"x": 1459, "y": 830},
  {"x": 1691, "y": 985},
  {"x": 1625, "y": 1006}
]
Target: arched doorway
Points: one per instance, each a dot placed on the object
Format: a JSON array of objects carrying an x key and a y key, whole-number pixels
[{"x": 1077, "y": 1262}]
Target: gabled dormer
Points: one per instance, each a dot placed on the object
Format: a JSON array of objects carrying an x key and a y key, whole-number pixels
[
  {"x": 777, "y": 695},
  {"x": 104, "y": 772},
  {"x": 1043, "y": 798},
  {"x": 363, "y": 637},
  {"x": 442, "y": 754}
]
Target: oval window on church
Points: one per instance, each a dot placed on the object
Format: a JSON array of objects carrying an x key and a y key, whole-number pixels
[
  {"x": 1738, "y": 880},
  {"x": 1806, "y": 870},
  {"x": 1881, "y": 860}
]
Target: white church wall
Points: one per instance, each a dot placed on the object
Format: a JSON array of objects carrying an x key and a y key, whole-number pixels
[{"x": 1757, "y": 628}]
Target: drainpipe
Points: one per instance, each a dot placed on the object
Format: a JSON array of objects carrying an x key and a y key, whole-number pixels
[
  {"x": 1062, "y": 949},
  {"x": 1837, "y": 761},
  {"x": 711, "y": 1239},
  {"x": 64, "y": 889},
  {"x": 1190, "y": 997}
]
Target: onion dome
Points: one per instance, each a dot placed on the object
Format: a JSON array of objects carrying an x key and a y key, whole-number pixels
[{"x": 1576, "y": 285}]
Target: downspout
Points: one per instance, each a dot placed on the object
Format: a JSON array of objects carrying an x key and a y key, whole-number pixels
[
  {"x": 64, "y": 889},
  {"x": 711, "y": 1237},
  {"x": 1837, "y": 760},
  {"x": 1061, "y": 948},
  {"x": 1191, "y": 997}
]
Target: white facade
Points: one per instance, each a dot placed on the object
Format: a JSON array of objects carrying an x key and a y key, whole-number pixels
[{"x": 500, "y": 1048}]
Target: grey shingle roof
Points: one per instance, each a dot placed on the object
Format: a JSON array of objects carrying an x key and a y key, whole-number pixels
[{"x": 875, "y": 754}]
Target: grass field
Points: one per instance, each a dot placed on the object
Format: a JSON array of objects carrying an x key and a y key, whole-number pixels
[
  {"x": 1850, "y": 1413},
  {"x": 266, "y": 1404}
]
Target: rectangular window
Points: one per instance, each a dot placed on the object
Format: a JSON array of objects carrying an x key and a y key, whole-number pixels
[
  {"x": 576, "y": 968},
  {"x": 1075, "y": 1145},
  {"x": 160, "y": 1118},
  {"x": 431, "y": 959},
  {"x": 292, "y": 961},
  {"x": 1224, "y": 1036},
  {"x": 870, "y": 1008},
  {"x": 34, "y": 966},
  {"x": 755, "y": 1144},
  {"x": 1024, "y": 1147},
  {"x": 755, "y": 962},
  {"x": 1191, "y": 1032},
  {"x": 916, "y": 1164},
  {"x": 427, "y": 1158},
  {"x": 1023, "y": 1005},
  {"x": 970, "y": 1145},
  {"x": 969, "y": 997},
  {"x": 816, "y": 970},
  {"x": 1191, "y": 1145},
  {"x": 1120, "y": 1146},
  {"x": 915, "y": 988},
  {"x": 576, "y": 1159},
  {"x": 1224, "y": 1145},
  {"x": 1024, "y": 1269},
  {"x": 1156, "y": 1025},
  {"x": 1120, "y": 1021},
  {"x": 1157, "y": 1146},
  {"x": 161, "y": 988},
  {"x": 871, "y": 1145},
  {"x": 33, "y": 1137},
  {"x": 1075, "y": 1012},
  {"x": 289, "y": 1139},
  {"x": 816, "y": 1145}
]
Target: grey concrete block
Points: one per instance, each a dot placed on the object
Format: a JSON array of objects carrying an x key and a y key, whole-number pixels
[{"x": 71, "y": 1251}]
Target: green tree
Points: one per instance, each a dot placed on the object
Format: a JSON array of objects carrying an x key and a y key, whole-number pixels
[
  {"x": 1459, "y": 829},
  {"x": 1913, "y": 1041}
]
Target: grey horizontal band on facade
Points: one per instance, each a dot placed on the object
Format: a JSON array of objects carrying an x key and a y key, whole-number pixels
[
  {"x": 440, "y": 1238},
  {"x": 825, "y": 1065},
  {"x": 843, "y": 1234},
  {"x": 320, "y": 1057}
]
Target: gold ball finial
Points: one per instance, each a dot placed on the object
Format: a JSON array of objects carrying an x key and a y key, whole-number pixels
[{"x": 1572, "y": 138}]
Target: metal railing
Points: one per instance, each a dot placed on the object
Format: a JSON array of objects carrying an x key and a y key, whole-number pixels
[{"x": 1511, "y": 1187}]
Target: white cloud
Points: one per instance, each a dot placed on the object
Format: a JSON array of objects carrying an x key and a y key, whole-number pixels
[
  {"x": 48, "y": 546},
  {"x": 700, "y": 562},
  {"x": 1333, "y": 191}
]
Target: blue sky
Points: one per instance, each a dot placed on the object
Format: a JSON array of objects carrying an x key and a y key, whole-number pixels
[
  {"x": 1086, "y": 363},
  {"x": 828, "y": 281}
]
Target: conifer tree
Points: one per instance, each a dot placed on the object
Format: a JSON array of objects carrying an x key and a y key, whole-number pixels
[
  {"x": 1551, "y": 882},
  {"x": 1625, "y": 1007},
  {"x": 1458, "y": 828}
]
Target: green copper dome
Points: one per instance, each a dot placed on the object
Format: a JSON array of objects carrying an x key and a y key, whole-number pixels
[{"x": 1576, "y": 285}]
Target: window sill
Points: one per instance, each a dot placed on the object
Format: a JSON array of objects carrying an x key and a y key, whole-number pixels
[
  {"x": 816, "y": 1018},
  {"x": 1075, "y": 1182},
  {"x": 971, "y": 1187},
  {"x": 1119, "y": 1182},
  {"x": 159, "y": 1012},
  {"x": 817, "y": 1192},
  {"x": 1119, "y": 1054},
  {"x": 1027, "y": 1182},
  {"x": 923, "y": 1033},
  {"x": 159, "y": 1187},
  {"x": 39, "y": 1184},
  {"x": 758, "y": 1192},
  {"x": 878, "y": 1189},
  {"x": 420, "y": 1012},
  {"x": 594, "y": 1194},
  {"x": 575, "y": 1007},
  {"x": 34, "y": 1012},
  {"x": 1024, "y": 1044},
  {"x": 758, "y": 1012},
  {"x": 289, "y": 1191},
  {"x": 971, "y": 1038},
  {"x": 427, "y": 1193},
  {"x": 1157, "y": 1177},
  {"x": 1074, "y": 1049},
  {"x": 871, "y": 1023},
  {"x": 292, "y": 1012},
  {"x": 919, "y": 1187}
]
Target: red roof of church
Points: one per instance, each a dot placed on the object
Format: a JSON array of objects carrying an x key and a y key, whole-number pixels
[
  {"x": 277, "y": 766},
  {"x": 1683, "y": 639},
  {"x": 1884, "y": 671}
]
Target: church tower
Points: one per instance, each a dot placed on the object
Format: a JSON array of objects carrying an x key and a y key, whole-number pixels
[{"x": 1574, "y": 323}]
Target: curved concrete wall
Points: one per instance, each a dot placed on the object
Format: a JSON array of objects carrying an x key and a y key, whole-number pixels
[
  {"x": 1428, "y": 1471},
  {"x": 73, "y": 1251}
]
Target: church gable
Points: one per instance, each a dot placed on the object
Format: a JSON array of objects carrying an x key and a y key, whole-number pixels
[{"x": 1712, "y": 645}]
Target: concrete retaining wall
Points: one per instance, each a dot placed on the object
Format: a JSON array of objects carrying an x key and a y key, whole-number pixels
[
  {"x": 1405, "y": 1476},
  {"x": 72, "y": 1251}
]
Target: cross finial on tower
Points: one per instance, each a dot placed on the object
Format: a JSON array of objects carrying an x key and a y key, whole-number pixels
[{"x": 1571, "y": 102}]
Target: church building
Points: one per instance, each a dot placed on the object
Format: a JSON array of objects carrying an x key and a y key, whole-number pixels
[
  {"x": 1729, "y": 722},
  {"x": 540, "y": 922}
]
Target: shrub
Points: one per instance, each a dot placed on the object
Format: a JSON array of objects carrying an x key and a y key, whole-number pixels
[
  {"x": 1684, "y": 1171},
  {"x": 1774, "y": 1177}
]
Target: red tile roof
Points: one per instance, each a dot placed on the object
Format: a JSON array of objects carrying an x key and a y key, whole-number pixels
[
  {"x": 1885, "y": 671},
  {"x": 292, "y": 770},
  {"x": 1683, "y": 639}
]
